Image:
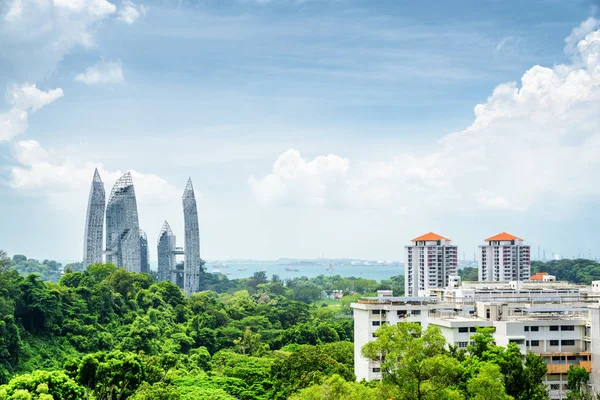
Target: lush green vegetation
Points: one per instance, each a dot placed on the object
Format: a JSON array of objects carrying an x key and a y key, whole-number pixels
[
  {"x": 575, "y": 271},
  {"x": 103, "y": 333},
  {"x": 468, "y": 274}
]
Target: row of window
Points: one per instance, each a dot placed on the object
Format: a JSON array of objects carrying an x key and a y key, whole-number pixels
[
  {"x": 556, "y": 386},
  {"x": 551, "y": 327},
  {"x": 400, "y": 313}
]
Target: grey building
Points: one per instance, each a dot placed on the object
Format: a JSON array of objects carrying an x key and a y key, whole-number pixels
[
  {"x": 94, "y": 222},
  {"x": 166, "y": 254},
  {"x": 144, "y": 253},
  {"x": 192, "y": 261},
  {"x": 122, "y": 226}
]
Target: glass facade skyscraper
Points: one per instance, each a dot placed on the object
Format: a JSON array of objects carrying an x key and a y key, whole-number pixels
[
  {"x": 123, "y": 246},
  {"x": 166, "y": 254},
  {"x": 94, "y": 222},
  {"x": 144, "y": 253},
  {"x": 192, "y": 262}
]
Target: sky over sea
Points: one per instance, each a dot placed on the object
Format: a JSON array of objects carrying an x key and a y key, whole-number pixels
[{"x": 338, "y": 128}]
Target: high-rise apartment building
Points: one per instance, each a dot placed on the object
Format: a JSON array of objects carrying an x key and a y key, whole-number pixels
[
  {"x": 429, "y": 263},
  {"x": 192, "y": 261},
  {"x": 166, "y": 254},
  {"x": 94, "y": 222},
  {"x": 122, "y": 226},
  {"x": 504, "y": 257}
]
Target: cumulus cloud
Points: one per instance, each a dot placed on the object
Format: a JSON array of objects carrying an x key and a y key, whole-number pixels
[
  {"x": 530, "y": 143},
  {"x": 102, "y": 73},
  {"x": 36, "y": 34},
  {"x": 66, "y": 180},
  {"x": 23, "y": 100},
  {"x": 580, "y": 32},
  {"x": 130, "y": 12}
]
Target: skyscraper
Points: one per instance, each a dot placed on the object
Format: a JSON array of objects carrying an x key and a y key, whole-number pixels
[
  {"x": 166, "y": 254},
  {"x": 123, "y": 227},
  {"x": 192, "y": 262},
  {"x": 94, "y": 222},
  {"x": 430, "y": 261},
  {"x": 144, "y": 253},
  {"x": 504, "y": 257}
]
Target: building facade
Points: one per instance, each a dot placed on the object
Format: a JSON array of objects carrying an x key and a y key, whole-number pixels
[
  {"x": 94, "y": 222},
  {"x": 166, "y": 254},
  {"x": 144, "y": 253},
  {"x": 192, "y": 261},
  {"x": 564, "y": 330},
  {"x": 429, "y": 263},
  {"x": 504, "y": 257},
  {"x": 122, "y": 226}
]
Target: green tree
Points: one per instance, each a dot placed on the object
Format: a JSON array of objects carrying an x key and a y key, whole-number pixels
[
  {"x": 42, "y": 385},
  {"x": 336, "y": 388},
  {"x": 488, "y": 384},
  {"x": 413, "y": 362},
  {"x": 577, "y": 379}
]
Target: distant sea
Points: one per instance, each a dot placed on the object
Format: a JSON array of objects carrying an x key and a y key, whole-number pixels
[{"x": 376, "y": 272}]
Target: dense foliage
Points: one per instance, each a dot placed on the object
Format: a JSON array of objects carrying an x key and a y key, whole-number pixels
[
  {"x": 468, "y": 274},
  {"x": 103, "y": 333},
  {"x": 575, "y": 271},
  {"x": 416, "y": 365}
]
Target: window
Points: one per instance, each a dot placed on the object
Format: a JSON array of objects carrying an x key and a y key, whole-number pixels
[
  {"x": 376, "y": 312},
  {"x": 554, "y": 328},
  {"x": 535, "y": 328},
  {"x": 567, "y": 342},
  {"x": 527, "y": 343},
  {"x": 472, "y": 329},
  {"x": 535, "y": 343},
  {"x": 516, "y": 341},
  {"x": 555, "y": 386},
  {"x": 554, "y": 343},
  {"x": 416, "y": 312},
  {"x": 376, "y": 369},
  {"x": 526, "y": 328},
  {"x": 463, "y": 329},
  {"x": 376, "y": 323},
  {"x": 567, "y": 328},
  {"x": 461, "y": 345}
]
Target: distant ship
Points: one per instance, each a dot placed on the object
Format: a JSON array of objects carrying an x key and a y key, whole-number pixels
[
  {"x": 242, "y": 269},
  {"x": 216, "y": 271},
  {"x": 291, "y": 269}
]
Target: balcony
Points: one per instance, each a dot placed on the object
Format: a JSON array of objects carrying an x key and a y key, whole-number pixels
[{"x": 559, "y": 363}]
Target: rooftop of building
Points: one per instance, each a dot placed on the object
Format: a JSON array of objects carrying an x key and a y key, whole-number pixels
[
  {"x": 501, "y": 237},
  {"x": 429, "y": 237}
]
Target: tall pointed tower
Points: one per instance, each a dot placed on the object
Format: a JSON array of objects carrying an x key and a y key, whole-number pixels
[
  {"x": 192, "y": 263},
  {"x": 94, "y": 222},
  {"x": 123, "y": 246}
]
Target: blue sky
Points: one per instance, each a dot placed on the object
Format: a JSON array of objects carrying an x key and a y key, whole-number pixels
[{"x": 308, "y": 127}]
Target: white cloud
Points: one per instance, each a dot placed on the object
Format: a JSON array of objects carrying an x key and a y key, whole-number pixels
[
  {"x": 580, "y": 32},
  {"x": 24, "y": 99},
  {"x": 36, "y": 34},
  {"x": 530, "y": 144},
  {"x": 102, "y": 73},
  {"x": 52, "y": 173},
  {"x": 130, "y": 12},
  {"x": 293, "y": 180}
]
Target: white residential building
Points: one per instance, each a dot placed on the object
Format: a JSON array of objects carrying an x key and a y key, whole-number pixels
[
  {"x": 504, "y": 257},
  {"x": 429, "y": 262},
  {"x": 564, "y": 327}
]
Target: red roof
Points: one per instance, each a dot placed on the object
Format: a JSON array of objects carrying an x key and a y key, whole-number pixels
[
  {"x": 429, "y": 237},
  {"x": 502, "y": 237}
]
